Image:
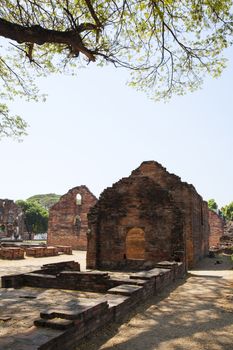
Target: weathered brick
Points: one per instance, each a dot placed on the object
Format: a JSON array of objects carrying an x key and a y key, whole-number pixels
[
  {"x": 11, "y": 253},
  {"x": 38, "y": 252},
  {"x": 68, "y": 219},
  {"x": 148, "y": 217},
  {"x": 216, "y": 223}
]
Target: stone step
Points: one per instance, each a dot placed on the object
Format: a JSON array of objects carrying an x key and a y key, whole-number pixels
[
  {"x": 138, "y": 282},
  {"x": 80, "y": 312},
  {"x": 167, "y": 265},
  {"x": 147, "y": 275},
  {"x": 84, "y": 274},
  {"x": 39, "y": 275},
  {"x": 125, "y": 289},
  {"x": 55, "y": 323}
]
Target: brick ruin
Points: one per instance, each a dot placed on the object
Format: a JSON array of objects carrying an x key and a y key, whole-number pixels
[
  {"x": 68, "y": 223},
  {"x": 148, "y": 217},
  {"x": 64, "y": 318},
  {"x": 150, "y": 222},
  {"x": 11, "y": 220},
  {"x": 216, "y": 223}
]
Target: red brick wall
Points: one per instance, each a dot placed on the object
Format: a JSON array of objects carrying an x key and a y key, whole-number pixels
[
  {"x": 172, "y": 214},
  {"x": 64, "y": 228},
  {"x": 195, "y": 210},
  {"x": 216, "y": 228},
  {"x": 134, "y": 202}
]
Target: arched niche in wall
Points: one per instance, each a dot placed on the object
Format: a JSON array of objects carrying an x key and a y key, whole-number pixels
[
  {"x": 78, "y": 199},
  {"x": 135, "y": 244}
]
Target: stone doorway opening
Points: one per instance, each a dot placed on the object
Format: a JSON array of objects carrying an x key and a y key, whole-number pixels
[{"x": 135, "y": 244}]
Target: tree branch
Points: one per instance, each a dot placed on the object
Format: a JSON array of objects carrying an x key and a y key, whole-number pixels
[
  {"x": 93, "y": 13},
  {"x": 38, "y": 35}
]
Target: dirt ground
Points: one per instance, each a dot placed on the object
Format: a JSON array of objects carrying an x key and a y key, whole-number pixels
[{"x": 195, "y": 314}]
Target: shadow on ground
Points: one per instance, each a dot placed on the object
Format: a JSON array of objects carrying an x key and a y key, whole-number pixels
[{"x": 196, "y": 313}]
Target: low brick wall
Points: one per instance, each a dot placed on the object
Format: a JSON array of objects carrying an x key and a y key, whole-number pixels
[
  {"x": 12, "y": 281},
  {"x": 11, "y": 253},
  {"x": 121, "y": 296},
  {"x": 81, "y": 327},
  {"x": 56, "y": 268},
  {"x": 39, "y": 252},
  {"x": 65, "y": 249},
  {"x": 54, "y": 276}
]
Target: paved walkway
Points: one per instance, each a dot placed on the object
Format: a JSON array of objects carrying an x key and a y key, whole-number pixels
[{"x": 196, "y": 314}]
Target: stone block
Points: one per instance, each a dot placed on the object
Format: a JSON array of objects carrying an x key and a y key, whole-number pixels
[
  {"x": 125, "y": 289},
  {"x": 55, "y": 323}
]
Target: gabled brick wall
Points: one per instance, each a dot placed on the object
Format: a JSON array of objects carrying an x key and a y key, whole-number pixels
[
  {"x": 171, "y": 213},
  {"x": 68, "y": 219},
  {"x": 191, "y": 204}
]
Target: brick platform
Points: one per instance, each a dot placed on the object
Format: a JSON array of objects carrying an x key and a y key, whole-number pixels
[
  {"x": 38, "y": 252},
  {"x": 64, "y": 249},
  {"x": 11, "y": 253}
]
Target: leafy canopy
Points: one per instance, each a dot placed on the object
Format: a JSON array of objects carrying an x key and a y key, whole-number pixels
[
  {"x": 46, "y": 200},
  {"x": 228, "y": 211},
  {"x": 35, "y": 216},
  {"x": 212, "y": 205},
  {"x": 167, "y": 45}
]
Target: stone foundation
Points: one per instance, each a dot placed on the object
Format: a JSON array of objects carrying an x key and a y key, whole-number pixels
[{"x": 72, "y": 323}]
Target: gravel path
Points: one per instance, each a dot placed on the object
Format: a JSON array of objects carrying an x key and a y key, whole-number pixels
[{"x": 195, "y": 314}]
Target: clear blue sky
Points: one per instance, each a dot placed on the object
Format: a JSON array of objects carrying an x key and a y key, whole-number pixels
[{"x": 94, "y": 130}]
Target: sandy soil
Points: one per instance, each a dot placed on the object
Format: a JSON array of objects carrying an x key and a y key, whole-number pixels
[
  {"x": 31, "y": 301},
  {"x": 196, "y": 313}
]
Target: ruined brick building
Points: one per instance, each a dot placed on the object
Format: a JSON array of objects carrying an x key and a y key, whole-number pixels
[
  {"x": 148, "y": 217},
  {"x": 11, "y": 219},
  {"x": 216, "y": 228},
  {"x": 68, "y": 218}
]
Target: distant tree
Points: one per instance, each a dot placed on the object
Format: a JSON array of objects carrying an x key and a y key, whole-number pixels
[
  {"x": 167, "y": 45},
  {"x": 46, "y": 200},
  {"x": 212, "y": 204},
  {"x": 36, "y": 216},
  {"x": 228, "y": 211}
]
